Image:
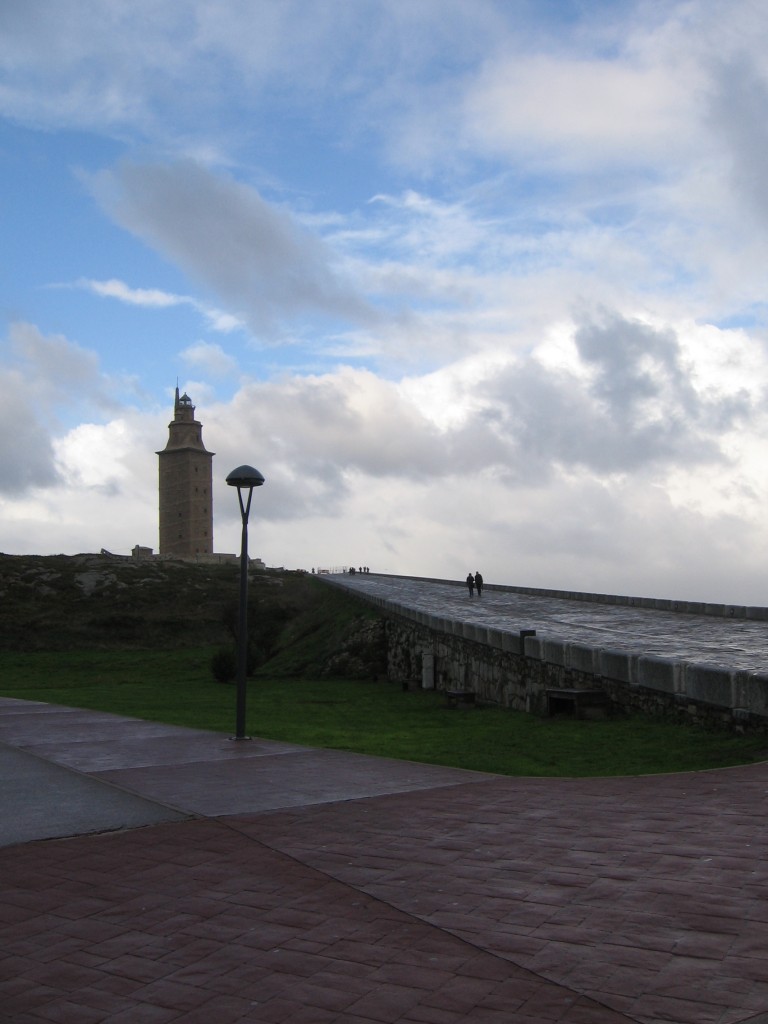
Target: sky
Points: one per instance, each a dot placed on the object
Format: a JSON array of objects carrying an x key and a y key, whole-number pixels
[{"x": 475, "y": 284}]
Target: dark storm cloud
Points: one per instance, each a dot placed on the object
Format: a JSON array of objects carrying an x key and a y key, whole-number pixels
[
  {"x": 634, "y": 406},
  {"x": 42, "y": 378},
  {"x": 323, "y": 427},
  {"x": 737, "y": 119},
  {"x": 26, "y": 454}
]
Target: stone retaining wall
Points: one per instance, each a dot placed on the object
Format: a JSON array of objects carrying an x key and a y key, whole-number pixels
[{"x": 515, "y": 670}]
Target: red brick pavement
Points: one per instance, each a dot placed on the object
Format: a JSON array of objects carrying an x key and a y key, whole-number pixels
[
  {"x": 648, "y": 894},
  {"x": 357, "y": 890},
  {"x": 200, "y": 923}
]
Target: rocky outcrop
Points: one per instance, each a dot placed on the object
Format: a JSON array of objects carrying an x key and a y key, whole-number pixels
[{"x": 361, "y": 653}]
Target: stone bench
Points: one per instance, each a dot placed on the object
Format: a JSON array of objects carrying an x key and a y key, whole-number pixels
[
  {"x": 575, "y": 702},
  {"x": 459, "y": 698}
]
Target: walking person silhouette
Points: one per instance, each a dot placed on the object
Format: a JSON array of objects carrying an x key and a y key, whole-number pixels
[
  {"x": 479, "y": 584},
  {"x": 471, "y": 584}
]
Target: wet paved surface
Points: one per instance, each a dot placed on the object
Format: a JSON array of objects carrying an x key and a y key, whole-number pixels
[
  {"x": 704, "y": 639},
  {"x": 219, "y": 882}
]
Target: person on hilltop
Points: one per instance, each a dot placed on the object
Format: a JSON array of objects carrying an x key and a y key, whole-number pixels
[
  {"x": 470, "y": 584},
  {"x": 479, "y": 584}
]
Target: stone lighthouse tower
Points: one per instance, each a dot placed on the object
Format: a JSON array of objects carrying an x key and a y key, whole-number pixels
[{"x": 186, "y": 481}]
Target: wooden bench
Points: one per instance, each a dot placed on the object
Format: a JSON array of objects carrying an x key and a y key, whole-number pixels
[
  {"x": 459, "y": 698},
  {"x": 575, "y": 702}
]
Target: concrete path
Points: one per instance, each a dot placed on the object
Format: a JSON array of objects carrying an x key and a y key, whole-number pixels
[
  {"x": 155, "y": 874},
  {"x": 705, "y": 639}
]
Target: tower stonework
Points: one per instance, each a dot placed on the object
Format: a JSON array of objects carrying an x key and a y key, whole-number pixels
[{"x": 186, "y": 486}]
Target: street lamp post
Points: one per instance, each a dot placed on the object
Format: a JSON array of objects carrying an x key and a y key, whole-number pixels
[{"x": 244, "y": 478}]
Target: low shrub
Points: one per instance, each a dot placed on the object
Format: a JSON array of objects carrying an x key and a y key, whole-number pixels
[{"x": 224, "y": 666}]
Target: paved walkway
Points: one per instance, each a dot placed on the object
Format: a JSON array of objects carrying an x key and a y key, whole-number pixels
[
  {"x": 151, "y": 874},
  {"x": 733, "y": 643}
]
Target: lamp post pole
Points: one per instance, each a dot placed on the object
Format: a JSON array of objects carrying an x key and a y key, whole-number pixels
[{"x": 244, "y": 478}]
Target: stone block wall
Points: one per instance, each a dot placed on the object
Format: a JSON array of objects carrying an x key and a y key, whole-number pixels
[
  {"x": 517, "y": 673},
  {"x": 515, "y": 670}
]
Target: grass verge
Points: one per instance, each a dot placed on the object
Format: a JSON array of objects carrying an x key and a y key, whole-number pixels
[{"x": 366, "y": 717}]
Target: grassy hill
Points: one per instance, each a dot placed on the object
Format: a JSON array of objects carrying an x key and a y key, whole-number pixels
[{"x": 297, "y": 625}]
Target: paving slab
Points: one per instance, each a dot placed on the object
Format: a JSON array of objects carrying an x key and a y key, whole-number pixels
[
  {"x": 298, "y": 778},
  {"x": 42, "y": 800},
  {"x": 200, "y": 771}
]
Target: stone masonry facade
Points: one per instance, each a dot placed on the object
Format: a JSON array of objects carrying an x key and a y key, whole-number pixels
[
  {"x": 517, "y": 672},
  {"x": 185, "y": 486}
]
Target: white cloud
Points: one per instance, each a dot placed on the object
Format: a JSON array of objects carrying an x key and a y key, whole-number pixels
[
  {"x": 578, "y": 110},
  {"x": 152, "y": 298},
  {"x": 155, "y": 298},
  {"x": 90, "y": 457}
]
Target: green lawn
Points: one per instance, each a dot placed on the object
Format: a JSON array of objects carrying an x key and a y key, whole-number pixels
[{"x": 372, "y": 718}]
